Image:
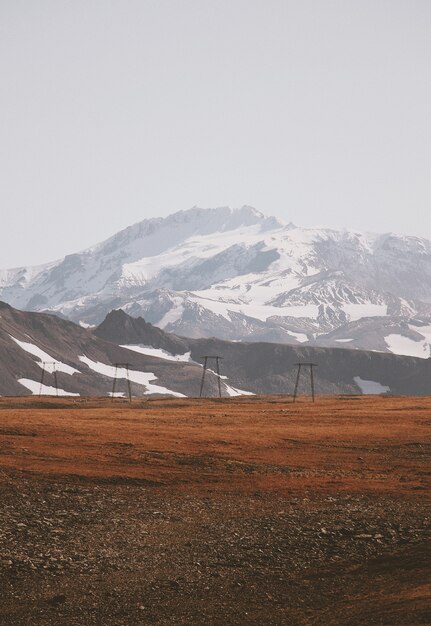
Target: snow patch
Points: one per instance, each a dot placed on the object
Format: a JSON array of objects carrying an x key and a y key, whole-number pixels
[
  {"x": 51, "y": 364},
  {"x": 370, "y": 387},
  {"x": 158, "y": 352},
  {"x": 232, "y": 391},
  {"x": 85, "y": 325},
  {"x": 46, "y": 390},
  {"x": 398, "y": 344},
  {"x": 301, "y": 337},
  {"x": 140, "y": 378}
]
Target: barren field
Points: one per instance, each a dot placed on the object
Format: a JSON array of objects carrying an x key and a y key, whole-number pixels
[{"x": 233, "y": 511}]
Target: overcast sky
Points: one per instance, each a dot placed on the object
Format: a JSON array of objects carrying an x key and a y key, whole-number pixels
[{"x": 112, "y": 111}]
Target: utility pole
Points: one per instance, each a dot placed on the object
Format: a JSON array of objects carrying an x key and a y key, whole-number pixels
[
  {"x": 299, "y": 366},
  {"x": 117, "y": 367},
  {"x": 52, "y": 365},
  {"x": 217, "y": 359}
]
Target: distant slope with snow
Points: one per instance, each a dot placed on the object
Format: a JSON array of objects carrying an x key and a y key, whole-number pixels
[
  {"x": 271, "y": 368},
  {"x": 394, "y": 334},
  {"x": 41, "y": 353}
]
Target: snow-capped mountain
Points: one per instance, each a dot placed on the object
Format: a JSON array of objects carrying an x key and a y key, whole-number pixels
[{"x": 237, "y": 274}]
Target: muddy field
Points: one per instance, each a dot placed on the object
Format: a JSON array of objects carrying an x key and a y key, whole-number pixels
[{"x": 236, "y": 511}]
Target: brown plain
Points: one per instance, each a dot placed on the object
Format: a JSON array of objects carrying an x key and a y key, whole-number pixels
[{"x": 232, "y": 511}]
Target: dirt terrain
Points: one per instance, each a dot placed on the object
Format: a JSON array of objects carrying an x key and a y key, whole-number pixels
[{"x": 233, "y": 511}]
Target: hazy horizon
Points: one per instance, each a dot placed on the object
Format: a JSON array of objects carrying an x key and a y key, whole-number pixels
[{"x": 110, "y": 113}]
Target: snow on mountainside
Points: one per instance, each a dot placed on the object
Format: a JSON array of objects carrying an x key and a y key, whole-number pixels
[
  {"x": 237, "y": 274},
  {"x": 271, "y": 368},
  {"x": 44, "y": 354}
]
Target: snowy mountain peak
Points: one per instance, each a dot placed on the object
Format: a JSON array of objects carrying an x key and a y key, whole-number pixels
[
  {"x": 152, "y": 236},
  {"x": 219, "y": 219}
]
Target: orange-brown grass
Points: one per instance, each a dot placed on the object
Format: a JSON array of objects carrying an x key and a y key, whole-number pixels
[{"x": 377, "y": 444}]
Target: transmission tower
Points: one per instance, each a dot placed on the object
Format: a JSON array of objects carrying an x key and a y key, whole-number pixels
[
  {"x": 53, "y": 366},
  {"x": 305, "y": 365},
  {"x": 117, "y": 367},
  {"x": 216, "y": 359}
]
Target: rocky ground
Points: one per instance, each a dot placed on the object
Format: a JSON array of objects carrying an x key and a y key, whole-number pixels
[{"x": 226, "y": 533}]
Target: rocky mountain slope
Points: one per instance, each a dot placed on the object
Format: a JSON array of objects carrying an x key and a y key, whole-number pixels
[
  {"x": 395, "y": 334},
  {"x": 260, "y": 367},
  {"x": 236, "y": 274},
  {"x": 83, "y": 362},
  {"x": 36, "y": 343}
]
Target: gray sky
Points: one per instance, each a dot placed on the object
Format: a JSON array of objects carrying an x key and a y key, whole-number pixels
[{"x": 112, "y": 111}]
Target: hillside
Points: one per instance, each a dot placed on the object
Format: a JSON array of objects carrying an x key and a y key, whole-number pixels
[
  {"x": 271, "y": 368},
  {"x": 84, "y": 363},
  {"x": 161, "y": 363}
]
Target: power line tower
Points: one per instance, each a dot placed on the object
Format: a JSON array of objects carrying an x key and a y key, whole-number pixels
[
  {"x": 216, "y": 359},
  {"x": 116, "y": 377},
  {"x": 51, "y": 368},
  {"x": 305, "y": 365}
]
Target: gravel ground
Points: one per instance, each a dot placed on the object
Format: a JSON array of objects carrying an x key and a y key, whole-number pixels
[{"x": 76, "y": 552}]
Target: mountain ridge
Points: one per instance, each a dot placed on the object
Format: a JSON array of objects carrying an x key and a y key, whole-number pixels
[{"x": 83, "y": 362}]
